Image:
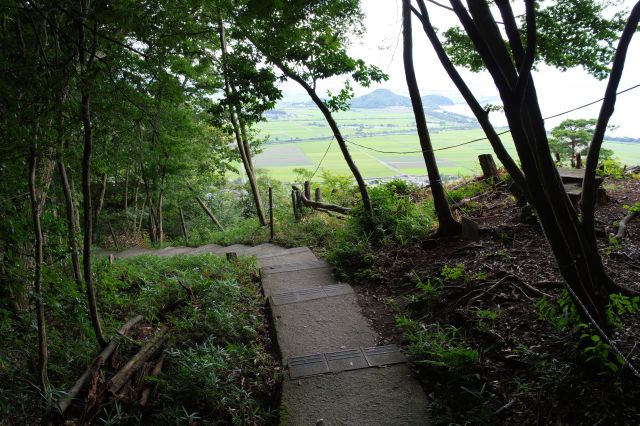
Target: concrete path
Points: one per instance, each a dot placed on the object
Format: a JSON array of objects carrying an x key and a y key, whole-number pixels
[{"x": 335, "y": 374}]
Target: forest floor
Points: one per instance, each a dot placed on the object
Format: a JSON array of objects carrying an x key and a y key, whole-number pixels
[{"x": 486, "y": 326}]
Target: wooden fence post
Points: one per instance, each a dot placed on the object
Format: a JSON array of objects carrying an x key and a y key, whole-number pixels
[
  {"x": 318, "y": 195},
  {"x": 271, "y": 212},
  {"x": 294, "y": 202},
  {"x": 489, "y": 169},
  {"x": 307, "y": 189},
  {"x": 182, "y": 225},
  {"x": 113, "y": 236}
]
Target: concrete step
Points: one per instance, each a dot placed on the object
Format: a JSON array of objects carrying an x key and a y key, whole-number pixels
[
  {"x": 209, "y": 248},
  {"x": 321, "y": 325},
  {"x": 301, "y": 254},
  {"x": 172, "y": 251},
  {"x": 133, "y": 251},
  {"x": 370, "y": 396},
  {"x": 285, "y": 282},
  {"x": 294, "y": 266},
  {"x": 235, "y": 248},
  {"x": 266, "y": 249}
]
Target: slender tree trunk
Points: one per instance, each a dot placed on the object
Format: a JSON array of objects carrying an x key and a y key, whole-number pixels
[
  {"x": 243, "y": 130},
  {"x": 71, "y": 225},
  {"x": 588, "y": 198},
  {"x": 236, "y": 130},
  {"x": 99, "y": 204},
  {"x": 362, "y": 186},
  {"x": 160, "y": 236},
  {"x": 183, "y": 226},
  {"x": 43, "y": 356},
  {"x": 447, "y": 225},
  {"x": 86, "y": 183},
  {"x": 578, "y": 260},
  {"x": 209, "y": 213},
  {"x": 126, "y": 190},
  {"x": 521, "y": 190}
]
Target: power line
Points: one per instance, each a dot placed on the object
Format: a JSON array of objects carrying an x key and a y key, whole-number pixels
[
  {"x": 323, "y": 157},
  {"x": 484, "y": 138}
]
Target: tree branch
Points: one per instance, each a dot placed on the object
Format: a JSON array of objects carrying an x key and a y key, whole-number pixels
[{"x": 587, "y": 201}]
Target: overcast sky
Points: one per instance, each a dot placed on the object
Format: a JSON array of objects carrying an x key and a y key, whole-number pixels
[{"x": 558, "y": 91}]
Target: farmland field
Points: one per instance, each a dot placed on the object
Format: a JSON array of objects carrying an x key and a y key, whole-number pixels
[{"x": 382, "y": 142}]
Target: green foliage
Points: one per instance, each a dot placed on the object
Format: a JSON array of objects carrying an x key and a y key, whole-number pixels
[
  {"x": 577, "y": 33},
  {"x": 611, "y": 168},
  {"x": 572, "y": 137},
  {"x": 435, "y": 345},
  {"x": 621, "y": 305},
  {"x": 634, "y": 208},
  {"x": 395, "y": 215},
  {"x": 452, "y": 273}
]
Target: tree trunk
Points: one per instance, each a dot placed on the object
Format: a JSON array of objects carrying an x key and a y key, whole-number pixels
[
  {"x": 521, "y": 190},
  {"x": 99, "y": 204},
  {"x": 588, "y": 198},
  {"x": 362, "y": 186},
  {"x": 126, "y": 190},
  {"x": 71, "y": 225},
  {"x": 43, "y": 356},
  {"x": 447, "y": 225},
  {"x": 209, "y": 213},
  {"x": 243, "y": 129},
  {"x": 160, "y": 235},
  {"x": 86, "y": 184},
  {"x": 236, "y": 130},
  {"x": 182, "y": 225},
  {"x": 578, "y": 260}
]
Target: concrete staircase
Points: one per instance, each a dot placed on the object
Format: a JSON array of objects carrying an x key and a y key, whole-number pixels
[{"x": 335, "y": 373}]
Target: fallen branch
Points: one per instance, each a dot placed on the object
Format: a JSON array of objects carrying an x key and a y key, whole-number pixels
[
  {"x": 64, "y": 403},
  {"x": 622, "y": 226},
  {"x": 319, "y": 205},
  {"x": 151, "y": 347},
  {"x": 146, "y": 392}
]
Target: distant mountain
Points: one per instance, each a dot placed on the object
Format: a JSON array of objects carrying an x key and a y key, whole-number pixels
[{"x": 383, "y": 98}]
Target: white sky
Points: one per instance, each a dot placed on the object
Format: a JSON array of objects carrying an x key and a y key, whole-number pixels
[{"x": 558, "y": 91}]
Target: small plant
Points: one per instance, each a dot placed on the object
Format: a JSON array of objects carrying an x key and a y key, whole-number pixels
[
  {"x": 487, "y": 314},
  {"x": 598, "y": 352},
  {"x": 428, "y": 288},
  {"x": 614, "y": 245},
  {"x": 452, "y": 273},
  {"x": 435, "y": 345},
  {"x": 620, "y": 305},
  {"x": 611, "y": 168}
]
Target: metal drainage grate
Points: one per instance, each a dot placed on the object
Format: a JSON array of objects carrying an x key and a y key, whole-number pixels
[
  {"x": 383, "y": 355},
  {"x": 308, "y": 365}
]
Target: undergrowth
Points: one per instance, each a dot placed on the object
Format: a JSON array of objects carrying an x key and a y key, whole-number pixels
[{"x": 218, "y": 365}]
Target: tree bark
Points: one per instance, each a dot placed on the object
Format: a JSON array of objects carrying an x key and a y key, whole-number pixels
[
  {"x": 86, "y": 181},
  {"x": 578, "y": 260},
  {"x": 209, "y": 213},
  {"x": 236, "y": 130},
  {"x": 589, "y": 187},
  {"x": 447, "y": 225},
  {"x": 43, "y": 356},
  {"x": 182, "y": 225},
  {"x": 362, "y": 186},
  {"x": 126, "y": 190},
  {"x": 71, "y": 224},
  {"x": 521, "y": 190},
  {"x": 99, "y": 204}
]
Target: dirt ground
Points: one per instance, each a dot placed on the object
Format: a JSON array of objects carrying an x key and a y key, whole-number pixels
[{"x": 529, "y": 371}]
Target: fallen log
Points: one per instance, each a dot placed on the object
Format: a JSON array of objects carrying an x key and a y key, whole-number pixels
[
  {"x": 320, "y": 205},
  {"x": 64, "y": 403},
  {"x": 146, "y": 392},
  {"x": 622, "y": 226},
  {"x": 151, "y": 347}
]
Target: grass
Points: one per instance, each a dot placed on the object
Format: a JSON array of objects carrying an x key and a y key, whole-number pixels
[
  {"x": 385, "y": 130},
  {"x": 218, "y": 365}
]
